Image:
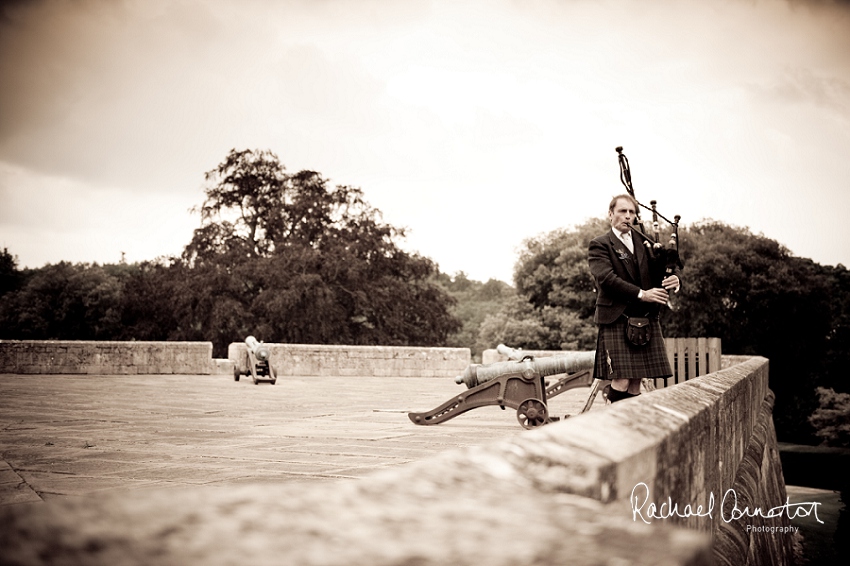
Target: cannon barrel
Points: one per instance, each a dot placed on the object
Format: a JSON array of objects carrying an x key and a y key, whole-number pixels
[
  {"x": 476, "y": 374},
  {"x": 260, "y": 350}
]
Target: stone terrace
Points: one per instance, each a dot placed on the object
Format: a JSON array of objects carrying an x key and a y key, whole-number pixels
[{"x": 77, "y": 435}]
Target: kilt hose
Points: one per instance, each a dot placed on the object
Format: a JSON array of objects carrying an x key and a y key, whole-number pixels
[{"x": 616, "y": 358}]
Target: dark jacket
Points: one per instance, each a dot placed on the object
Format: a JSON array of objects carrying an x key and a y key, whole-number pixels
[{"x": 619, "y": 276}]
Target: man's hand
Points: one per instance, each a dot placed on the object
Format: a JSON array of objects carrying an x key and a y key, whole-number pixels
[
  {"x": 671, "y": 283},
  {"x": 656, "y": 295}
]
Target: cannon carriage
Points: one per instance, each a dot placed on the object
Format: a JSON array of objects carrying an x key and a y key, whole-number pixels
[
  {"x": 256, "y": 362},
  {"x": 519, "y": 383}
]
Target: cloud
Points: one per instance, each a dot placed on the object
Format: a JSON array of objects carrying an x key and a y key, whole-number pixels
[
  {"x": 805, "y": 86},
  {"x": 95, "y": 90},
  {"x": 46, "y": 219},
  {"x": 141, "y": 95},
  {"x": 475, "y": 124}
]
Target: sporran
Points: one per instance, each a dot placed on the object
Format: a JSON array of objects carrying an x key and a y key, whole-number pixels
[{"x": 638, "y": 332}]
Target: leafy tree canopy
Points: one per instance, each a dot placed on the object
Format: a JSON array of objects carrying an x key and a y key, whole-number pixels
[
  {"x": 832, "y": 417},
  {"x": 555, "y": 299},
  {"x": 253, "y": 208},
  {"x": 64, "y": 301},
  {"x": 10, "y": 277},
  {"x": 474, "y": 301},
  {"x": 291, "y": 259}
]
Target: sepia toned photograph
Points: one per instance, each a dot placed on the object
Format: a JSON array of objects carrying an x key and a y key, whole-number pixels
[{"x": 424, "y": 282}]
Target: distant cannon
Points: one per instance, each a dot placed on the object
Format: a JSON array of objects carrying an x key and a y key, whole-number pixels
[
  {"x": 257, "y": 362},
  {"x": 518, "y": 383},
  {"x": 511, "y": 353},
  {"x": 476, "y": 374}
]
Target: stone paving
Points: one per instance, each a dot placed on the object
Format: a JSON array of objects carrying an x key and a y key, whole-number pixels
[{"x": 66, "y": 436}]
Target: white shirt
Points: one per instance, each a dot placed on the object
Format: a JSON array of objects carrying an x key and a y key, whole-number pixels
[{"x": 626, "y": 238}]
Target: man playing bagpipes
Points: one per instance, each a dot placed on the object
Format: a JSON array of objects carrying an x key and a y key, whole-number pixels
[{"x": 634, "y": 277}]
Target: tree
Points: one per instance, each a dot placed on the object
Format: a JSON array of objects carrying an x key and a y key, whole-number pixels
[
  {"x": 10, "y": 277},
  {"x": 552, "y": 269},
  {"x": 555, "y": 294},
  {"x": 837, "y": 357},
  {"x": 248, "y": 187},
  {"x": 149, "y": 297},
  {"x": 832, "y": 418},
  {"x": 750, "y": 291},
  {"x": 474, "y": 301},
  {"x": 64, "y": 302},
  {"x": 291, "y": 259},
  {"x": 253, "y": 208},
  {"x": 518, "y": 326}
]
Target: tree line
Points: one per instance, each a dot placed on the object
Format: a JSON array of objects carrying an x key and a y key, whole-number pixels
[{"x": 290, "y": 258}]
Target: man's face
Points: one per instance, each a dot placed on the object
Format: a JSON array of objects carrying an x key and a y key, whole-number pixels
[{"x": 622, "y": 216}]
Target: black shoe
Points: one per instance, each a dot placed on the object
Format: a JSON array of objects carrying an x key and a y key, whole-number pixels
[{"x": 614, "y": 395}]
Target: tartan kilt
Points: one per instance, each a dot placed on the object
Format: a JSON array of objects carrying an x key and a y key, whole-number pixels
[{"x": 628, "y": 361}]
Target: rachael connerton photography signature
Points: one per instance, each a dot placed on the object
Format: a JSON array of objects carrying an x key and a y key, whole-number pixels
[{"x": 647, "y": 511}]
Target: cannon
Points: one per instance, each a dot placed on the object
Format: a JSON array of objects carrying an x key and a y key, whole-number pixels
[
  {"x": 257, "y": 363},
  {"x": 518, "y": 383}
]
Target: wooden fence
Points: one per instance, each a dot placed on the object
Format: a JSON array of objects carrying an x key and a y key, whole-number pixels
[{"x": 690, "y": 358}]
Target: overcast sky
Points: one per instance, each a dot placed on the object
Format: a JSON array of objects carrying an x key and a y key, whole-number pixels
[{"x": 474, "y": 124}]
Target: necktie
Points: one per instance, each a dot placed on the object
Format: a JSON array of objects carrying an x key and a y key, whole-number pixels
[{"x": 627, "y": 240}]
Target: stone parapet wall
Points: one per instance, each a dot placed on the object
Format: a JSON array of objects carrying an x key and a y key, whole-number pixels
[
  {"x": 377, "y": 361},
  {"x": 195, "y": 358},
  {"x": 105, "y": 358}
]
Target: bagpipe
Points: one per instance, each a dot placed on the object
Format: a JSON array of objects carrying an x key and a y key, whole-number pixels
[{"x": 664, "y": 260}]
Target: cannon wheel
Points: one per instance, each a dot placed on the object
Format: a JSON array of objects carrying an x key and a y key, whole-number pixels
[{"x": 532, "y": 413}]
